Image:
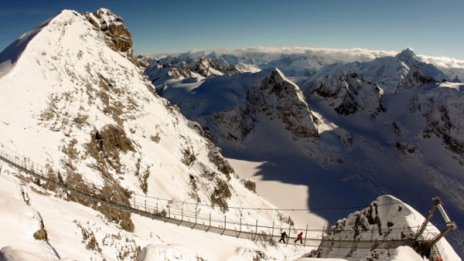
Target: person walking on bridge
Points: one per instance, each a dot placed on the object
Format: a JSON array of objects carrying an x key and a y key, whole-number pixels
[
  {"x": 283, "y": 236},
  {"x": 299, "y": 237}
]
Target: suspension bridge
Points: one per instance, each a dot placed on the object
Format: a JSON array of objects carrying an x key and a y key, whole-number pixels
[{"x": 163, "y": 210}]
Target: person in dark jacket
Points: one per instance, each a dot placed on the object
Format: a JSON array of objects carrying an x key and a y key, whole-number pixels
[
  {"x": 283, "y": 236},
  {"x": 299, "y": 237}
]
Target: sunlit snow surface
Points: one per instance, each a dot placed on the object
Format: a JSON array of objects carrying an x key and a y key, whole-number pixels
[{"x": 49, "y": 81}]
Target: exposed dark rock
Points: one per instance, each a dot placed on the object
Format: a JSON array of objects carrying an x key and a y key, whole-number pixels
[
  {"x": 348, "y": 94},
  {"x": 280, "y": 99}
]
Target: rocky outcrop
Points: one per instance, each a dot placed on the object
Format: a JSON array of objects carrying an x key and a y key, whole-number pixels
[
  {"x": 205, "y": 68},
  {"x": 387, "y": 223},
  {"x": 348, "y": 94},
  {"x": 119, "y": 37},
  {"x": 142, "y": 61},
  {"x": 443, "y": 112},
  {"x": 275, "y": 98},
  {"x": 414, "y": 78},
  {"x": 278, "y": 98},
  {"x": 234, "y": 124}
]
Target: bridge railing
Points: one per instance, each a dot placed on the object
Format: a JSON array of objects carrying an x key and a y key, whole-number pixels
[{"x": 174, "y": 212}]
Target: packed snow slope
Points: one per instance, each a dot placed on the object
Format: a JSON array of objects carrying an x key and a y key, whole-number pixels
[
  {"x": 75, "y": 101},
  {"x": 349, "y": 130}
]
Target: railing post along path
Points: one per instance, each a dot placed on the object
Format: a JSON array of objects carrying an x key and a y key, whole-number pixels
[
  {"x": 225, "y": 225},
  {"x": 240, "y": 228},
  {"x": 289, "y": 231},
  {"x": 209, "y": 225},
  {"x": 272, "y": 232},
  {"x": 196, "y": 214},
  {"x": 182, "y": 212},
  {"x": 306, "y": 235}
]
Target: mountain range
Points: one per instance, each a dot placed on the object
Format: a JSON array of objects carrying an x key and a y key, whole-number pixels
[
  {"x": 351, "y": 129},
  {"x": 81, "y": 108}
]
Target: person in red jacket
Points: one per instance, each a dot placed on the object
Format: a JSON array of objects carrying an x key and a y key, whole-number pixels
[{"x": 299, "y": 237}]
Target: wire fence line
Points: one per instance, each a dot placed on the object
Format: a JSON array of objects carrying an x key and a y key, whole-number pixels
[{"x": 166, "y": 211}]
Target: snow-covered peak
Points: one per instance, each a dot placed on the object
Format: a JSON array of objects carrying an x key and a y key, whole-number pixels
[
  {"x": 75, "y": 102},
  {"x": 387, "y": 72},
  {"x": 348, "y": 94},
  {"x": 64, "y": 15},
  {"x": 60, "y": 27},
  {"x": 277, "y": 76},
  {"x": 10, "y": 56},
  {"x": 280, "y": 99},
  {"x": 408, "y": 54}
]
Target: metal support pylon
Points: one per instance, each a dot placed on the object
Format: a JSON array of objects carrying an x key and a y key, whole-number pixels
[{"x": 425, "y": 247}]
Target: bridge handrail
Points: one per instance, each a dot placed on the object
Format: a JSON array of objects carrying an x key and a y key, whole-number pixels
[{"x": 247, "y": 231}]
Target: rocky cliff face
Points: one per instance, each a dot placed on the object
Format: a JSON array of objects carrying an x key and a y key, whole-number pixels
[
  {"x": 348, "y": 94},
  {"x": 276, "y": 99},
  {"x": 118, "y": 36},
  {"x": 279, "y": 98},
  {"x": 414, "y": 78},
  {"x": 233, "y": 124},
  {"x": 442, "y": 108}
]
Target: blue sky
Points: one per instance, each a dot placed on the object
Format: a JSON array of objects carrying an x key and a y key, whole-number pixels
[{"x": 431, "y": 27}]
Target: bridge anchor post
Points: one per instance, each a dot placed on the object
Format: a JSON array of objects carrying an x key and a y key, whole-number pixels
[
  {"x": 436, "y": 202},
  {"x": 424, "y": 248}
]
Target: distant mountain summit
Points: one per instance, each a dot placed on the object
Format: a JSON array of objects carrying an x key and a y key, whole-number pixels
[
  {"x": 408, "y": 54},
  {"x": 279, "y": 98},
  {"x": 390, "y": 73}
]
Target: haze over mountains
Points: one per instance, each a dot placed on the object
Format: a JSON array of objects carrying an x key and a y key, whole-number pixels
[{"x": 76, "y": 102}]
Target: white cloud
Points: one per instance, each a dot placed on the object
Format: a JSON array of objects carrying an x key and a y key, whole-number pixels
[{"x": 443, "y": 61}]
